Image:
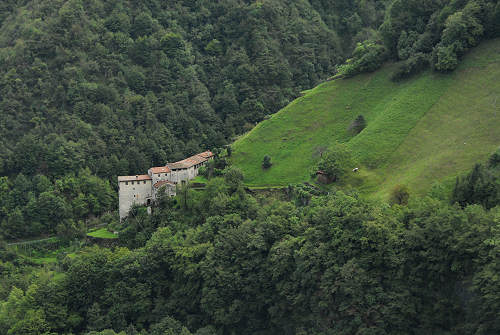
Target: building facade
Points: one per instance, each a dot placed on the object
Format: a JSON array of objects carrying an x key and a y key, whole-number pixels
[{"x": 143, "y": 189}]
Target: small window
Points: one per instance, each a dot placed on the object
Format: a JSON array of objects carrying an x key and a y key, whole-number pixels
[
  {"x": 144, "y": 182},
  {"x": 132, "y": 183},
  {"x": 126, "y": 183}
]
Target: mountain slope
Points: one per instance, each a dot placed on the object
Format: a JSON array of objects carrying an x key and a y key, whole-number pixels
[{"x": 431, "y": 127}]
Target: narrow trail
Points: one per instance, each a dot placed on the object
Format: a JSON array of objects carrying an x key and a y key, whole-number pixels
[
  {"x": 32, "y": 241},
  {"x": 27, "y": 242}
]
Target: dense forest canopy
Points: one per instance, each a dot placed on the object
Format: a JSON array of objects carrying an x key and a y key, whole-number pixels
[
  {"x": 118, "y": 86},
  {"x": 221, "y": 261},
  {"x": 152, "y": 81}
]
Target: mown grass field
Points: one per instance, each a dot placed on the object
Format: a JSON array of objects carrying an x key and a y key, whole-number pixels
[{"x": 430, "y": 128}]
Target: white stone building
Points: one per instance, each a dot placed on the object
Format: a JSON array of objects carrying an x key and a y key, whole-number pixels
[{"x": 142, "y": 189}]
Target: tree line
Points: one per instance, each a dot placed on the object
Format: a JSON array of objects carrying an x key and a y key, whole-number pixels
[{"x": 423, "y": 34}]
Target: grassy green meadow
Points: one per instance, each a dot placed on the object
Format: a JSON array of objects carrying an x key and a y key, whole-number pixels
[
  {"x": 429, "y": 128},
  {"x": 102, "y": 233}
]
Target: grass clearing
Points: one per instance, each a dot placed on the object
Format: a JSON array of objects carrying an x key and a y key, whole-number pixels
[
  {"x": 44, "y": 260},
  {"x": 102, "y": 233},
  {"x": 199, "y": 179},
  {"x": 430, "y": 128}
]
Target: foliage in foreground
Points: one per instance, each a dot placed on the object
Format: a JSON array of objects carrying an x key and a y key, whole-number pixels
[{"x": 222, "y": 261}]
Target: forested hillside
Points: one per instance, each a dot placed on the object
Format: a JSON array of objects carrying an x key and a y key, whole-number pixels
[
  {"x": 119, "y": 86},
  {"x": 94, "y": 89},
  {"x": 107, "y": 88}
]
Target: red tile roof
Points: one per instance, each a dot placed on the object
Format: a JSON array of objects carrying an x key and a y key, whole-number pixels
[
  {"x": 133, "y": 178},
  {"x": 206, "y": 154},
  {"x": 160, "y": 169},
  {"x": 162, "y": 182},
  {"x": 183, "y": 164},
  {"x": 191, "y": 161}
]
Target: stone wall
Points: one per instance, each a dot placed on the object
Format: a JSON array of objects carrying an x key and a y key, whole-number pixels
[
  {"x": 161, "y": 176},
  {"x": 133, "y": 192},
  {"x": 139, "y": 192}
]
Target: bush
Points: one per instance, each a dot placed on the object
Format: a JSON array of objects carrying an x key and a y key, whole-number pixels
[
  {"x": 480, "y": 186},
  {"x": 411, "y": 66},
  {"x": 203, "y": 171},
  {"x": 233, "y": 178},
  {"x": 357, "y": 125},
  {"x": 335, "y": 162},
  {"x": 494, "y": 160},
  {"x": 368, "y": 56},
  {"x": 220, "y": 163},
  {"x": 445, "y": 58},
  {"x": 400, "y": 195},
  {"x": 266, "y": 162},
  {"x": 463, "y": 30}
]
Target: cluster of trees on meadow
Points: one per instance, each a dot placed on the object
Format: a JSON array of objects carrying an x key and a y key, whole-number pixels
[
  {"x": 427, "y": 33},
  {"x": 221, "y": 261}
]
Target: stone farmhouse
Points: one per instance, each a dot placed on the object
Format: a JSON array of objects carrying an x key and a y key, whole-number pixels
[{"x": 143, "y": 189}]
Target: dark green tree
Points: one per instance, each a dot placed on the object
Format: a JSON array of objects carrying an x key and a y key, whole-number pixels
[{"x": 266, "y": 162}]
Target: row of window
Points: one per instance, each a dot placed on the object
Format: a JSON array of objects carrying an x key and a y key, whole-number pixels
[
  {"x": 159, "y": 175},
  {"x": 138, "y": 182}
]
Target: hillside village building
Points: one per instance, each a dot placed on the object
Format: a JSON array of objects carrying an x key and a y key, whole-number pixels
[{"x": 143, "y": 189}]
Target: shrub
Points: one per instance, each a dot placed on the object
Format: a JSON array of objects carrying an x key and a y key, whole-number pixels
[
  {"x": 233, "y": 178},
  {"x": 335, "y": 162},
  {"x": 445, "y": 58},
  {"x": 411, "y": 66},
  {"x": 357, "y": 125},
  {"x": 368, "y": 56},
  {"x": 400, "y": 195},
  {"x": 480, "y": 186},
  {"x": 203, "y": 171},
  {"x": 463, "y": 30},
  {"x": 494, "y": 160},
  {"x": 266, "y": 162},
  {"x": 220, "y": 163}
]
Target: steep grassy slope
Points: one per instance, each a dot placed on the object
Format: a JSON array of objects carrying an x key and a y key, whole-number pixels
[{"x": 432, "y": 127}]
